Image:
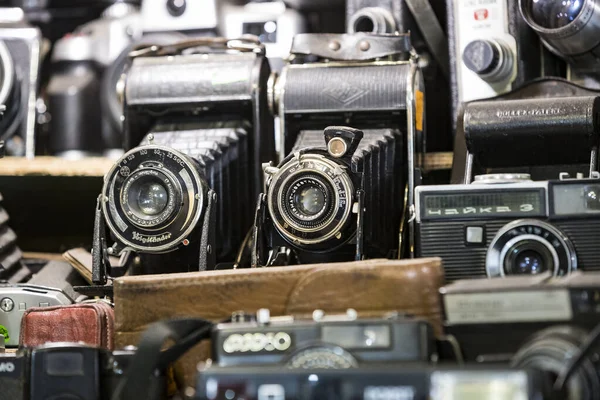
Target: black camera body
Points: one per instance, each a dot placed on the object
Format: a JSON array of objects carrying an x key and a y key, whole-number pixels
[
  {"x": 326, "y": 341},
  {"x": 58, "y": 370},
  {"x": 332, "y": 199},
  {"x": 535, "y": 322},
  {"x": 20, "y": 54},
  {"x": 361, "y": 80},
  {"x": 500, "y": 229},
  {"x": 372, "y": 383},
  {"x": 201, "y": 141}
]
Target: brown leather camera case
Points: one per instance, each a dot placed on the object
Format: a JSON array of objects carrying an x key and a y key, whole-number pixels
[
  {"x": 372, "y": 287},
  {"x": 90, "y": 323}
]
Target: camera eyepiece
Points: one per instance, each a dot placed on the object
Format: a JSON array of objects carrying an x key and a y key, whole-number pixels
[{"x": 372, "y": 20}]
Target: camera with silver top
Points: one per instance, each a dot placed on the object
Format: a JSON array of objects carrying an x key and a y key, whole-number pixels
[
  {"x": 325, "y": 341},
  {"x": 332, "y": 199},
  {"x": 20, "y": 58},
  {"x": 186, "y": 147},
  {"x": 83, "y": 112}
]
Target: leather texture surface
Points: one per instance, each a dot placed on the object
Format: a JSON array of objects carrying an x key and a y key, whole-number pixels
[
  {"x": 91, "y": 323},
  {"x": 372, "y": 287}
]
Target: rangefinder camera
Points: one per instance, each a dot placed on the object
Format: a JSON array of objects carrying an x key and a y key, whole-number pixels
[
  {"x": 372, "y": 383},
  {"x": 494, "y": 229},
  {"x": 535, "y": 322},
  {"x": 160, "y": 199},
  {"x": 325, "y": 341},
  {"x": 332, "y": 199},
  {"x": 67, "y": 370},
  {"x": 20, "y": 58}
]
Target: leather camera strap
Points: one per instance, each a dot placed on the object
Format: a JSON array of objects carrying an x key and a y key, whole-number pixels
[{"x": 150, "y": 357}]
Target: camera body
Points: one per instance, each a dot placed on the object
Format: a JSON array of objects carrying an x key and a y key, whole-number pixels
[
  {"x": 79, "y": 92},
  {"x": 326, "y": 341},
  {"x": 57, "y": 370},
  {"x": 493, "y": 50},
  {"x": 372, "y": 383},
  {"x": 524, "y": 228},
  {"x": 20, "y": 57},
  {"x": 361, "y": 80},
  {"x": 272, "y": 22},
  {"x": 533, "y": 321},
  {"x": 332, "y": 199},
  {"x": 205, "y": 143}
]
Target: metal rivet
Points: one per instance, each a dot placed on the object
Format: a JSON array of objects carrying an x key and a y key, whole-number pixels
[
  {"x": 334, "y": 45},
  {"x": 364, "y": 45},
  {"x": 7, "y": 304}
]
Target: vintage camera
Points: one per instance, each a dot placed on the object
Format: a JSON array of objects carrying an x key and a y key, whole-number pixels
[
  {"x": 80, "y": 91},
  {"x": 326, "y": 341},
  {"x": 20, "y": 54},
  {"x": 372, "y": 383},
  {"x": 67, "y": 370},
  {"x": 361, "y": 80},
  {"x": 540, "y": 322},
  {"x": 493, "y": 50},
  {"x": 334, "y": 198},
  {"x": 271, "y": 21},
  {"x": 160, "y": 199},
  {"x": 493, "y": 229},
  {"x": 569, "y": 30},
  {"x": 51, "y": 286}
]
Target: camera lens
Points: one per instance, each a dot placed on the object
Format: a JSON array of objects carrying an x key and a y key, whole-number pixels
[
  {"x": 529, "y": 262},
  {"x": 528, "y": 257},
  {"x": 310, "y": 200},
  {"x": 152, "y": 198},
  {"x": 553, "y": 14}
]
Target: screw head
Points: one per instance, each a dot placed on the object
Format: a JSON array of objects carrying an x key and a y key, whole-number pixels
[{"x": 7, "y": 304}]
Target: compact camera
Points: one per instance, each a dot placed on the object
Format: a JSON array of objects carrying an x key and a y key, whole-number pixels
[
  {"x": 160, "y": 199},
  {"x": 68, "y": 370},
  {"x": 493, "y": 229},
  {"x": 569, "y": 29},
  {"x": 81, "y": 91},
  {"x": 180, "y": 15},
  {"x": 272, "y": 22},
  {"x": 326, "y": 341},
  {"x": 334, "y": 198},
  {"x": 540, "y": 322},
  {"x": 372, "y": 383},
  {"x": 20, "y": 57},
  {"x": 361, "y": 80}
]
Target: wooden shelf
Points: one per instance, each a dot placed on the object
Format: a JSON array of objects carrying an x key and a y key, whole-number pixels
[{"x": 54, "y": 166}]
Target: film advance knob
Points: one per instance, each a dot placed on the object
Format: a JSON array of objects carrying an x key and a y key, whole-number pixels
[{"x": 488, "y": 59}]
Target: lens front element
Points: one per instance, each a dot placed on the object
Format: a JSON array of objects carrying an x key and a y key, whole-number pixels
[
  {"x": 152, "y": 198},
  {"x": 552, "y": 14},
  {"x": 310, "y": 201}
]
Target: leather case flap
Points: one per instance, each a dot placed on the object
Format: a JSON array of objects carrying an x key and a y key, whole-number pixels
[{"x": 91, "y": 323}]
